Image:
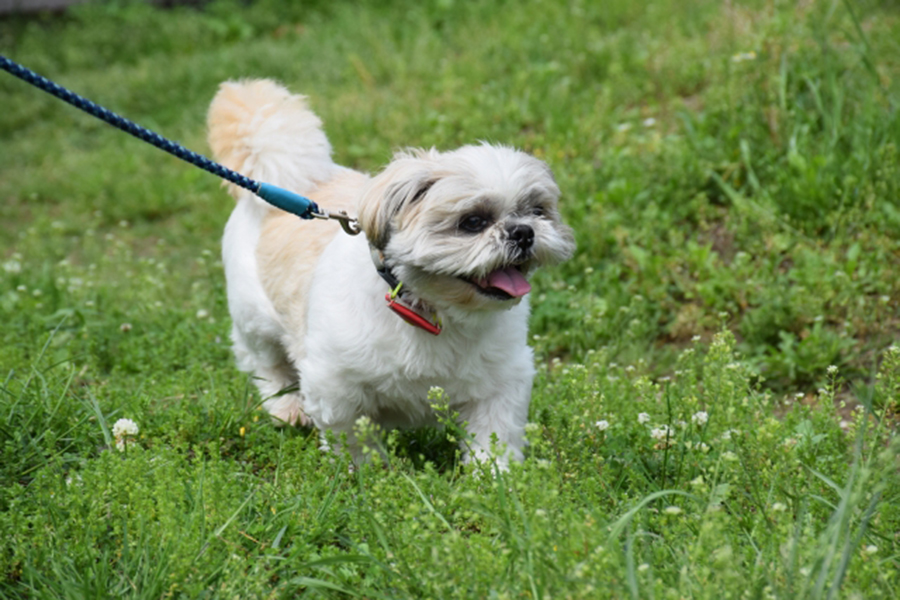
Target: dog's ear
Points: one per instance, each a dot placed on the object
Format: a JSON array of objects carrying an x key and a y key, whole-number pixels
[{"x": 399, "y": 187}]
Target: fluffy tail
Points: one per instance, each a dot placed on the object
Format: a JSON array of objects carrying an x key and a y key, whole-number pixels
[{"x": 261, "y": 130}]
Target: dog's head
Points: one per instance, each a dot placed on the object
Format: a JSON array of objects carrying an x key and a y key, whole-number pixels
[{"x": 466, "y": 228}]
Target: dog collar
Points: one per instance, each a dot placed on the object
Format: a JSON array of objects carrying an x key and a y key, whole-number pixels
[{"x": 404, "y": 307}]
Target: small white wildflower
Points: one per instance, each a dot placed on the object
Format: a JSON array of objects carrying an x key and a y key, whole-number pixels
[
  {"x": 37, "y": 293},
  {"x": 700, "y": 418},
  {"x": 202, "y": 313},
  {"x": 660, "y": 433},
  {"x": 12, "y": 266},
  {"x": 799, "y": 395},
  {"x": 540, "y": 512},
  {"x": 681, "y": 424},
  {"x": 805, "y": 571},
  {"x": 602, "y": 425},
  {"x": 543, "y": 463},
  {"x": 729, "y": 456},
  {"x": 531, "y": 427},
  {"x": 125, "y": 327},
  {"x": 649, "y": 122},
  {"x": 779, "y": 507},
  {"x": 629, "y": 369},
  {"x": 643, "y": 567},
  {"x": 21, "y": 288},
  {"x": 672, "y": 510},
  {"x": 623, "y": 127},
  {"x": 643, "y": 418},
  {"x": 832, "y": 369},
  {"x": 726, "y": 435},
  {"x": 702, "y": 447},
  {"x": 870, "y": 549},
  {"x": 696, "y": 338},
  {"x": 123, "y": 223}
]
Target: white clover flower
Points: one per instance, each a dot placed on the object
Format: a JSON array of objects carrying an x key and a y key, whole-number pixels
[
  {"x": 672, "y": 510},
  {"x": 696, "y": 338},
  {"x": 832, "y": 369},
  {"x": 700, "y": 418},
  {"x": 602, "y": 425},
  {"x": 124, "y": 427},
  {"x": 643, "y": 418},
  {"x": 202, "y": 313},
  {"x": 871, "y": 549},
  {"x": 122, "y": 430},
  {"x": 661, "y": 433}
]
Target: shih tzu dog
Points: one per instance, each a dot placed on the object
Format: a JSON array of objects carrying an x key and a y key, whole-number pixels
[{"x": 450, "y": 241}]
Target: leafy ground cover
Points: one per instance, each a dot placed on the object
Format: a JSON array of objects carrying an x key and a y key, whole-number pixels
[{"x": 716, "y": 407}]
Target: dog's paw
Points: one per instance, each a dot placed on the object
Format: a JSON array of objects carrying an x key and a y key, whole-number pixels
[{"x": 287, "y": 410}]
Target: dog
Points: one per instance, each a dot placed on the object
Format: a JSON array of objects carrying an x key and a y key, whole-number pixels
[{"x": 450, "y": 241}]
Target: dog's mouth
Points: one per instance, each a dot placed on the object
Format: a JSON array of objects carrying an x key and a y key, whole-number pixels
[{"x": 502, "y": 284}]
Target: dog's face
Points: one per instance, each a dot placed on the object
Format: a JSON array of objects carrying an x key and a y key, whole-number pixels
[{"x": 466, "y": 228}]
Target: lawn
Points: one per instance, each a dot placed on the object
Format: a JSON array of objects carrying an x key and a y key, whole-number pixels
[{"x": 718, "y": 394}]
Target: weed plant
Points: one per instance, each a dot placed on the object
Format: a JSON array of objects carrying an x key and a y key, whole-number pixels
[{"x": 718, "y": 386}]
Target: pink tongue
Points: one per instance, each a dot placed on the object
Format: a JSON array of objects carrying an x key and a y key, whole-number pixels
[{"x": 510, "y": 280}]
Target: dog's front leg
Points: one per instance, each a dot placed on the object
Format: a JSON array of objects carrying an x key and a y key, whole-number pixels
[{"x": 497, "y": 425}]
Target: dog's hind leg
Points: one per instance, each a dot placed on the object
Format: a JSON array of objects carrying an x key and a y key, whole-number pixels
[{"x": 274, "y": 376}]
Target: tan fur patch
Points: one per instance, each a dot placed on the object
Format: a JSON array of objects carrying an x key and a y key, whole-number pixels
[{"x": 289, "y": 248}]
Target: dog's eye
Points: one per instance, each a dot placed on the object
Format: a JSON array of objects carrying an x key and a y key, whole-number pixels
[
  {"x": 473, "y": 223},
  {"x": 538, "y": 211}
]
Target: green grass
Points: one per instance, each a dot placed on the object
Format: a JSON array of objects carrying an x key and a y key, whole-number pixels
[{"x": 737, "y": 218}]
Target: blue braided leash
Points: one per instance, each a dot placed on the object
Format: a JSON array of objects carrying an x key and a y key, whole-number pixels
[{"x": 283, "y": 199}]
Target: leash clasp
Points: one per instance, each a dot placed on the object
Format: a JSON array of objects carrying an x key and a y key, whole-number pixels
[{"x": 348, "y": 223}]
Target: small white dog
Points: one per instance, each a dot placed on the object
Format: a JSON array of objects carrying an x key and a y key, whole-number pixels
[{"x": 461, "y": 230}]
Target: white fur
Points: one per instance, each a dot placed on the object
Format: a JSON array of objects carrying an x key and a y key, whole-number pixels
[{"x": 351, "y": 356}]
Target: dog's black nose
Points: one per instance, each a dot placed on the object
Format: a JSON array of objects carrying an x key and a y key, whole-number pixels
[{"x": 522, "y": 236}]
